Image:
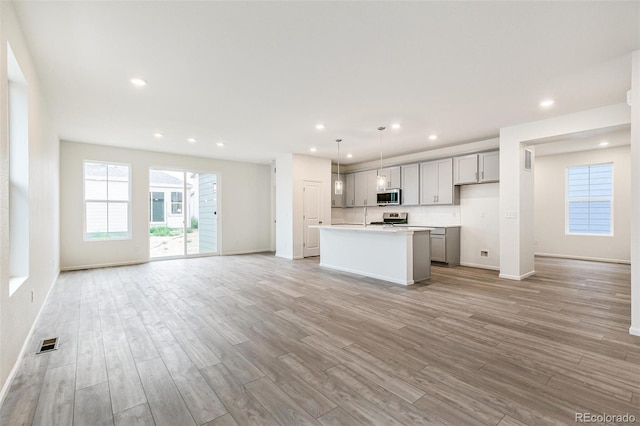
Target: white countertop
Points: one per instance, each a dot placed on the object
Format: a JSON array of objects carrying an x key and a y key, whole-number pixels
[{"x": 374, "y": 228}]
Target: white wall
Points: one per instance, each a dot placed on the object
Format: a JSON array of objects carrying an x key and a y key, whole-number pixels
[
  {"x": 550, "y": 192},
  {"x": 18, "y": 312},
  {"x": 284, "y": 206},
  {"x": 635, "y": 194},
  {"x": 292, "y": 171},
  {"x": 244, "y": 203},
  {"x": 516, "y": 184},
  {"x": 480, "y": 225}
]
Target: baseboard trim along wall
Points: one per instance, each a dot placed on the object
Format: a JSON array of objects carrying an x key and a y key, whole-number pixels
[
  {"x": 517, "y": 277},
  {"x": 479, "y": 266},
  {"x": 233, "y": 253},
  {"x": 16, "y": 366},
  {"x": 102, "y": 265},
  {"x": 634, "y": 330},
  {"x": 591, "y": 259}
]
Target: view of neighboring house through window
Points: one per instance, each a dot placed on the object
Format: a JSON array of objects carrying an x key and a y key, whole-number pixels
[
  {"x": 106, "y": 196},
  {"x": 590, "y": 199},
  {"x": 176, "y": 203},
  {"x": 182, "y": 213}
]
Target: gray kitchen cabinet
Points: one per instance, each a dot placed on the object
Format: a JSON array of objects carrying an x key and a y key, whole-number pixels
[
  {"x": 350, "y": 190},
  {"x": 393, "y": 175},
  {"x": 445, "y": 245},
  {"x": 465, "y": 169},
  {"x": 476, "y": 168},
  {"x": 365, "y": 188},
  {"x": 436, "y": 183},
  {"x": 337, "y": 200},
  {"x": 489, "y": 165},
  {"x": 410, "y": 184}
]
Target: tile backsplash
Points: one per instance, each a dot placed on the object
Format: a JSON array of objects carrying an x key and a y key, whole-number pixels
[{"x": 418, "y": 215}]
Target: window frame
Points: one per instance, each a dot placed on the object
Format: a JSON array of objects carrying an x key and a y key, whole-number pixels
[
  {"x": 568, "y": 202},
  {"x": 129, "y": 235}
]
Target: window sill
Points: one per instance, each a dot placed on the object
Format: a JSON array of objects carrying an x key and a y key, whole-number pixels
[{"x": 15, "y": 283}]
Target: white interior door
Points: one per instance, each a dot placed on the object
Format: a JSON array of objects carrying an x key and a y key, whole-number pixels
[{"x": 312, "y": 215}]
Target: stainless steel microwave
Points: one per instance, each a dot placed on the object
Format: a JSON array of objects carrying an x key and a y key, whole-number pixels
[{"x": 388, "y": 197}]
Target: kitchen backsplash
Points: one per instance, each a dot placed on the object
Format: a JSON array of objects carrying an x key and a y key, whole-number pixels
[{"x": 418, "y": 215}]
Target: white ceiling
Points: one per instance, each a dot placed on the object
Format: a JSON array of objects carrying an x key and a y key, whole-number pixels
[{"x": 260, "y": 75}]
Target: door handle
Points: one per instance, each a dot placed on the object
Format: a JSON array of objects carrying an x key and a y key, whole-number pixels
[{"x": 320, "y": 222}]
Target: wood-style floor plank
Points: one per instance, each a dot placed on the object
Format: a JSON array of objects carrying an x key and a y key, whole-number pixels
[
  {"x": 255, "y": 339},
  {"x": 166, "y": 404},
  {"x": 55, "y": 405},
  {"x": 93, "y": 406}
]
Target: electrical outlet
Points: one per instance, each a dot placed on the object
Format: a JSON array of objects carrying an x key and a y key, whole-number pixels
[
  {"x": 484, "y": 253},
  {"x": 511, "y": 215}
]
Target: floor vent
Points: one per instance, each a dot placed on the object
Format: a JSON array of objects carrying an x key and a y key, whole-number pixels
[{"x": 48, "y": 345}]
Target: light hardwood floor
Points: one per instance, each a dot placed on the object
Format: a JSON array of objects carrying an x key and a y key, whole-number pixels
[{"x": 260, "y": 340}]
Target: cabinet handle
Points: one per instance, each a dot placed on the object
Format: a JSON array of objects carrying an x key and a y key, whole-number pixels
[
  {"x": 476, "y": 176},
  {"x": 482, "y": 176}
]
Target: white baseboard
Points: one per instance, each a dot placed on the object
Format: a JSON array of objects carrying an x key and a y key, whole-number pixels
[
  {"x": 591, "y": 259},
  {"x": 233, "y": 253},
  {"x": 479, "y": 266},
  {"x": 634, "y": 330},
  {"x": 102, "y": 265},
  {"x": 517, "y": 277},
  {"x": 12, "y": 375}
]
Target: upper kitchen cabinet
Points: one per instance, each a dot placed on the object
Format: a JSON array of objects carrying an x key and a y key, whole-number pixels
[
  {"x": 365, "y": 188},
  {"x": 337, "y": 200},
  {"x": 476, "y": 168},
  {"x": 465, "y": 169},
  {"x": 489, "y": 164},
  {"x": 436, "y": 183},
  {"x": 350, "y": 190},
  {"x": 393, "y": 176},
  {"x": 410, "y": 184}
]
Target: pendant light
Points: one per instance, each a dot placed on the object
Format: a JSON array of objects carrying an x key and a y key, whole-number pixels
[
  {"x": 381, "y": 181},
  {"x": 338, "y": 184}
]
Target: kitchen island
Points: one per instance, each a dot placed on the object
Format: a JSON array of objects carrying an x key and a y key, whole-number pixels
[{"x": 400, "y": 255}]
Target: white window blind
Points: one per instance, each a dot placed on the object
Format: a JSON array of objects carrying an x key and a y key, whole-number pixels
[
  {"x": 106, "y": 196},
  {"x": 590, "y": 199}
]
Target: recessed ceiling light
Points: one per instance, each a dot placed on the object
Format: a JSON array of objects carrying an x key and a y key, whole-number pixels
[
  {"x": 138, "y": 82},
  {"x": 191, "y": 140},
  {"x": 547, "y": 103},
  {"x": 395, "y": 126},
  {"x": 433, "y": 137},
  {"x": 349, "y": 155},
  {"x": 220, "y": 143},
  {"x": 158, "y": 135},
  {"x": 603, "y": 143},
  {"x": 313, "y": 149},
  {"x": 320, "y": 126}
]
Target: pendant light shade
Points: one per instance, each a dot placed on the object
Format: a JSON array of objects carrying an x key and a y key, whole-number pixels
[
  {"x": 338, "y": 184},
  {"x": 381, "y": 181}
]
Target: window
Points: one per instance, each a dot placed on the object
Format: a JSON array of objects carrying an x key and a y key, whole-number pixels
[
  {"x": 18, "y": 206},
  {"x": 590, "y": 199},
  {"x": 176, "y": 202},
  {"x": 106, "y": 198}
]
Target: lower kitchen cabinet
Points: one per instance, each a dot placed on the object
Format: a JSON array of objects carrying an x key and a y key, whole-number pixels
[{"x": 445, "y": 245}]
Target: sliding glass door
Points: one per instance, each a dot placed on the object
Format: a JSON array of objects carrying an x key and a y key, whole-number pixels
[{"x": 182, "y": 213}]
